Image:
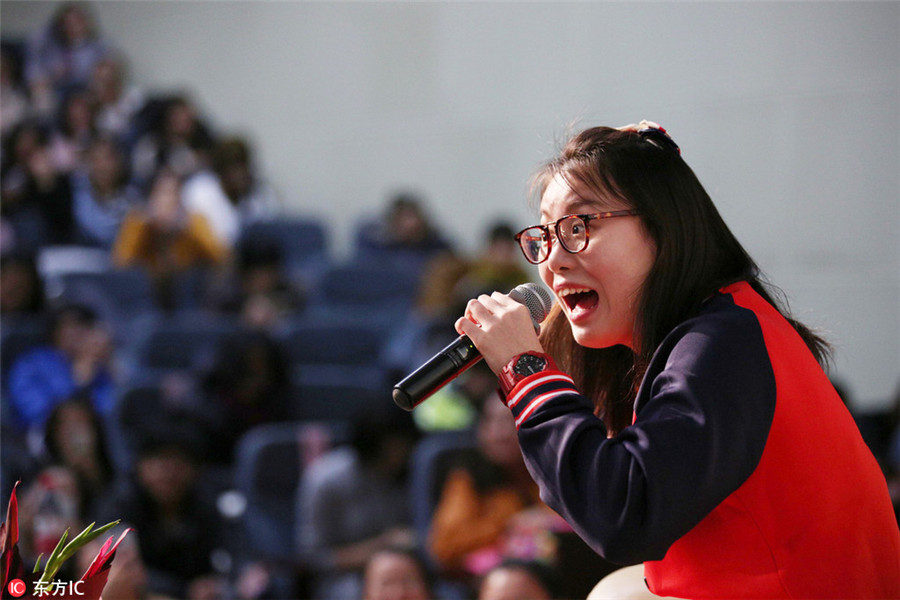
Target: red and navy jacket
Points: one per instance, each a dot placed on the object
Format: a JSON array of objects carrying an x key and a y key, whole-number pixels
[{"x": 742, "y": 476}]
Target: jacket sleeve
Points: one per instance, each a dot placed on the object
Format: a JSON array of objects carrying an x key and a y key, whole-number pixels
[{"x": 702, "y": 417}]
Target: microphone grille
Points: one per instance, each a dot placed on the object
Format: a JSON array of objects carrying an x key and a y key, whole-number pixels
[{"x": 535, "y": 298}]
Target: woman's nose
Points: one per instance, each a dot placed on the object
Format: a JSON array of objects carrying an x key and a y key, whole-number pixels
[{"x": 558, "y": 259}]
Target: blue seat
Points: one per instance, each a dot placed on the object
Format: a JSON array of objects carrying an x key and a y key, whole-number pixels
[
  {"x": 424, "y": 473},
  {"x": 118, "y": 296},
  {"x": 183, "y": 341},
  {"x": 303, "y": 241},
  {"x": 126, "y": 291},
  {"x": 328, "y": 398},
  {"x": 381, "y": 292},
  {"x": 312, "y": 339},
  {"x": 269, "y": 461},
  {"x": 18, "y": 335}
]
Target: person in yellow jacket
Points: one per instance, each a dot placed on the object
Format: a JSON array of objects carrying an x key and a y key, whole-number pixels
[{"x": 164, "y": 239}]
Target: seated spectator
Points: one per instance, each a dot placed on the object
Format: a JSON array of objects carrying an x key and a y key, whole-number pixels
[
  {"x": 49, "y": 505},
  {"x": 77, "y": 361},
  {"x": 117, "y": 102},
  {"x": 62, "y": 54},
  {"x": 164, "y": 239},
  {"x": 175, "y": 523},
  {"x": 74, "y": 130},
  {"x": 450, "y": 280},
  {"x": 520, "y": 580},
  {"x": 37, "y": 198},
  {"x": 485, "y": 489},
  {"x": 14, "y": 103},
  {"x": 397, "y": 574},
  {"x": 404, "y": 231},
  {"x": 231, "y": 193},
  {"x": 175, "y": 138},
  {"x": 353, "y": 503},
  {"x": 21, "y": 286},
  {"x": 75, "y": 438},
  {"x": 258, "y": 289},
  {"x": 101, "y": 194},
  {"x": 247, "y": 385}
]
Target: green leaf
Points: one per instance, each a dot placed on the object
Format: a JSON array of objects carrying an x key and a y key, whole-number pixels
[
  {"x": 64, "y": 552},
  {"x": 54, "y": 562},
  {"x": 85, "y": 537}
]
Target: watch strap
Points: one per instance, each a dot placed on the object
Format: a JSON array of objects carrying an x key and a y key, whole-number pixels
[{"x": 509, "y": 378}]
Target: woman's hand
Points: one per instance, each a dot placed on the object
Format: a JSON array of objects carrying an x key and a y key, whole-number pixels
[{"x": 500, "y": 328}]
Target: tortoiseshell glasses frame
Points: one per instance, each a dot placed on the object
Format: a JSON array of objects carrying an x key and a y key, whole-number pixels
[{"x": 572, "y": 231}]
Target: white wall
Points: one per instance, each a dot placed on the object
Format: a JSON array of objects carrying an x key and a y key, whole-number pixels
[{"x": 788, "y": 112}]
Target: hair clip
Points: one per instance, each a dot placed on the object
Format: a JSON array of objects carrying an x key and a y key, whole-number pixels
[{"x": 646, "y": 129}]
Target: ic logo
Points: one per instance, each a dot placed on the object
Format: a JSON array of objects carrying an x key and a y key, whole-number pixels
[{"x": 16, "y": 588}]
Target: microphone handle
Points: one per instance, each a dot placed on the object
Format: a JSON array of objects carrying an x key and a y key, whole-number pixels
[{"x": 443, "y": 367}]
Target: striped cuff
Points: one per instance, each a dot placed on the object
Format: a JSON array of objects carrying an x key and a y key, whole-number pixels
[{"x": 535, "y": 390}]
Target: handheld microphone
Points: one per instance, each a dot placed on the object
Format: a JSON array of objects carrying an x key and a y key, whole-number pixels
[{"x": 461, "y": 354}]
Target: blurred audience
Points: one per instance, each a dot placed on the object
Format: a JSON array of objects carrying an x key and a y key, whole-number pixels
[
  {"x": 77, "y": 361},
  {"x": 520, "y": 580},
  {"x": 62, "y": 55},
  {"x": 75, "y": 438},
  {"x": 404, "y": 231},
  {"x": 451, "y": 280},
  {"x": 448, "y": 281},
  {"x": 174, "y": 520},
  {"x": 174, "y": 136},
  {"x": 102, "y": 195},
  {"x": 397, "y": 574},
  {"x": 230, "y": 194},
  {"x": 353, "y": 502},
  {"x": 247, "y": 385},
  {"x": 21, "y": 286},
  {"x": 48, "y": 506},
  {"x": 14, "y": 102},
  {"x": 117, "y": 102},
  {"x": 74, "y": 130},
  {"x": 484, "y": 490},
  {"x": 37, "y": 198},
  {"x": 258, "y": 289},
  {"x": 165, "y": 240}
]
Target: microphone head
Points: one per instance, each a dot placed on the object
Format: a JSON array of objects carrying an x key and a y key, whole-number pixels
[{"x": 536, "y": 299}]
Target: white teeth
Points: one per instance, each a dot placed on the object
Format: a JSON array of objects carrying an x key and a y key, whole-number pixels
[{"x": 568, "y": 291}]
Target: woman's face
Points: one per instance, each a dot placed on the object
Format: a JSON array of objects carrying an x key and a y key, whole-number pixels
[
  {"x": 391, "y": 576},
  {"x": 511, "y": 584},
  {"x": 597, "y": 288},
  {"x": 105, "y": 166}
]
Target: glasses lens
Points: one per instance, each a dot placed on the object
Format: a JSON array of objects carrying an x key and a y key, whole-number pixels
[
  {"x": 572, "y": 232},
  {"x": 533, "y": 244}
]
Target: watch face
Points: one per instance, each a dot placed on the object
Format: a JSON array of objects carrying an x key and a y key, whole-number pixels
[{"x": 529, "y": 364}]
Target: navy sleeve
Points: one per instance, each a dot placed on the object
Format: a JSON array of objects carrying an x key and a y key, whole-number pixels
[{"x": 703, "y": 414}]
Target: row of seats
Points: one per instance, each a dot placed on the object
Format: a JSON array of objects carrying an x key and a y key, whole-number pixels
[{"x": 268, "y": 496}]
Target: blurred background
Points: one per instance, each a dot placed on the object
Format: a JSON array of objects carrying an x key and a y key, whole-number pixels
[{"x": 185, "y": 173}]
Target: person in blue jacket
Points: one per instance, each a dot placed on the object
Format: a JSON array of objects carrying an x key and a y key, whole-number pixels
[
  {"x": 76, "y": 363},
  {"x": 671, "y": 410}
]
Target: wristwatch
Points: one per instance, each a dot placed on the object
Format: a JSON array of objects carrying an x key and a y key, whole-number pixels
[{"x": 522, "y": 366}]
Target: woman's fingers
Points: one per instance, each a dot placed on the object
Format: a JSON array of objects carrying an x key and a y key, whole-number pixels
[{"x": 500, "y": 327}]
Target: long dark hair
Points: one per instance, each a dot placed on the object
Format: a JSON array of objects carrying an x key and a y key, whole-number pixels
[{"x": 696, "y": 254}]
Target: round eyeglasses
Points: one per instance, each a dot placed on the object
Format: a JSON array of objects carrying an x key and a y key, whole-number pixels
[{"x": 572, "y": 231}]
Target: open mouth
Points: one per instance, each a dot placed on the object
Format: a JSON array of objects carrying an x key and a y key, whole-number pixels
[{"x": 579, "y": 299}]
